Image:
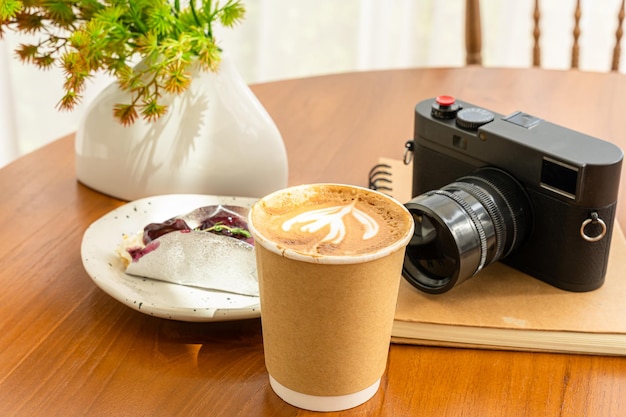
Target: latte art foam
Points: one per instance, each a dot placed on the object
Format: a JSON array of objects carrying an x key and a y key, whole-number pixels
[
  {"x": 330, "y": 220},
  {"x": 333, "y": 218}
]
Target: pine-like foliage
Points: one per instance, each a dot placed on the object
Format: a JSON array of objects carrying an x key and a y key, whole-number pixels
[{"x": 88, "y": 36}]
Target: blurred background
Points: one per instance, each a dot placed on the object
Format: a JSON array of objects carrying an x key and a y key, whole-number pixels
[{"x": 281, "y": 39}]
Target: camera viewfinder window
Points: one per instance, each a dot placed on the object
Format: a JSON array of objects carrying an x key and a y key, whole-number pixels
[{"x": 559, "y": 177}]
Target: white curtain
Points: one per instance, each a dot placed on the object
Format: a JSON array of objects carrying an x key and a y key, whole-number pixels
[
  {"x": 296, "y": 38},
  {"x": 8, "y": 138}
]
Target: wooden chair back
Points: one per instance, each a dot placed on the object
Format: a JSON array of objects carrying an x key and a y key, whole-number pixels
[{"x": 473, "y": 35}]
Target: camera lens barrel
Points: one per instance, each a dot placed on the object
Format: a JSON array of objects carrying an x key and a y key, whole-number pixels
[{"x": 463, "y": 227}]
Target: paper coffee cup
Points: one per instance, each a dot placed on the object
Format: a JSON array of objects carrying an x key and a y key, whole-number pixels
[{"x": 329, "y": 262}]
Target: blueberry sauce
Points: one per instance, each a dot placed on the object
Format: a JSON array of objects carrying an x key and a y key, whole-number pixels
[{"x": 220, "y": 221}]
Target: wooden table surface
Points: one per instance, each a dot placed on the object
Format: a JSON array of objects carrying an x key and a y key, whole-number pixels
[{"x": 69, "y": 349}]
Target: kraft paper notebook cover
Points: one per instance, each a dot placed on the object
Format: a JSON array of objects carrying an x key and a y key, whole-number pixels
[{"x": 502, "y": 308}]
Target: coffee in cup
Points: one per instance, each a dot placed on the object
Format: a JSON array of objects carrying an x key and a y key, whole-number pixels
[{"x": 329, "y": 261}]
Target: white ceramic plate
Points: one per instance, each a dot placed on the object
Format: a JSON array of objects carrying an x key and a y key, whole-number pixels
[{"x": 158, "y": 298}]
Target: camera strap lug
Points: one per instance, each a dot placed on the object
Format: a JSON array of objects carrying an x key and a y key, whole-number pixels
[
  {"x": 408, "y": 152},
  {"x": 595, "y": 220}
]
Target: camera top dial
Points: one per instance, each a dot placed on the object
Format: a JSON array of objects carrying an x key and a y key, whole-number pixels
[{"x": 473, "y": 117}]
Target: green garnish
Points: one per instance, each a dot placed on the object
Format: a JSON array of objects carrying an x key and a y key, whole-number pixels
[{"x": 219, "y": 227}]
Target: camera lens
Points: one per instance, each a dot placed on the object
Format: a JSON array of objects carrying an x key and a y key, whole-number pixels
[{"x": 463, "y": 227}]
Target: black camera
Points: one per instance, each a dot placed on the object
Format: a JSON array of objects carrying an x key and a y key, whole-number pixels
[{"x": 517, "y": 189}]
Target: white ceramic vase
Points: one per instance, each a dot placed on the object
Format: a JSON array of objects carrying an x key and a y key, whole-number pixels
[{"x": 216, "y": 139}]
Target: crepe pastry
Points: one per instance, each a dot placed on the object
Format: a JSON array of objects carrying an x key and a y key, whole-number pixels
[{"x": 209, "y": 247}]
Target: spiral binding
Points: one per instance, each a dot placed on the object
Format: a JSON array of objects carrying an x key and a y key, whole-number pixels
[{"x": 379, "y": 178}]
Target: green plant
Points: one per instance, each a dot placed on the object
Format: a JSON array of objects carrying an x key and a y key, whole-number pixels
[{"x": 88, "y": 36}]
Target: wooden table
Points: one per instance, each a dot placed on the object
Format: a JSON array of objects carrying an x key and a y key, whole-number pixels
[{"x": 68, "y": 349}]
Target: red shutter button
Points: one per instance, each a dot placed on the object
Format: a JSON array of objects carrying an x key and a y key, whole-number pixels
[
  {"x": 444, "y": 107},
  {"x": 445, "y": 101}
]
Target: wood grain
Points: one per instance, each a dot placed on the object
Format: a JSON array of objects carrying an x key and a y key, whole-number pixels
[{"x": 68, "y": 349}]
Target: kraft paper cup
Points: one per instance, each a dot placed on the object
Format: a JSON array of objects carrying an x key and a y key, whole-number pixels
[{"x": 327, "y": 319}]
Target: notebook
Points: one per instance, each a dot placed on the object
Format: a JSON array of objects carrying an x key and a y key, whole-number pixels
[{"x": 502, "y": 308}]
